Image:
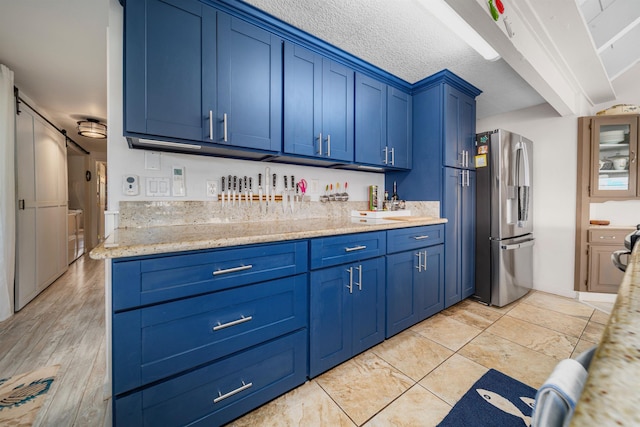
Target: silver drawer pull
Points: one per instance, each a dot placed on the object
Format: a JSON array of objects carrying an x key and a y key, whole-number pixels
[
  {"x": 355, "y": 248},
  {"x": 231, "y": 393},
  {"x": 608, "y": 237},
  {"x": 232, "y": 323},
  {"x": 233, "y": 270},
  {"x": 421, "y": 237}
]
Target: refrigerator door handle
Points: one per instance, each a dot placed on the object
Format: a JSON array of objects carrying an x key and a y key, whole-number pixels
[{"x": 518, "y": 245}]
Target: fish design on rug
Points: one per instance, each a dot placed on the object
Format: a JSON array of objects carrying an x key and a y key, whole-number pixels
[
  {"x": 504, "y": 404},
  {"x": 25, "y": 392},
  {"x": 528, "y": 401}
]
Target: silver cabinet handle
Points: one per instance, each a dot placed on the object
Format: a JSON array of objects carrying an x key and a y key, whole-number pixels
[
  {"x": 233, "y": 270},
  {"x": 461, "y": 178},
  {"x": 608, "y": 237},
  {"x": 419, "y": 267},
  {"x": 231, "y": 393},
  {"x": 320, "y": 144},
  {"x": 386, "y": 155},
  {"x": 467, "y": 177},
  {"x": 462, "y": 158},
  {"x": 232, "y": 323},
  {"x": 328, "y": 145},
  {"x": 350, "y": 285},
  {"x": 359, "y": 268},
  {"x": 211, "y": 124},
  {"x": 420, "y": 237},
  {"x": 393, "y": 156},
  {"x": 424, "y": 267},
  {"x": 355, "y": 248},
  {"x": 224, "y": 127}
]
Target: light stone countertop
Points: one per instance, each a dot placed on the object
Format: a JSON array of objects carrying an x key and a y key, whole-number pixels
[
  {"x": 127, "y": 242},
  {"x": 611, "y": 396}
]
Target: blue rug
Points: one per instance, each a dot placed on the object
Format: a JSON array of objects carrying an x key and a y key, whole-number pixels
[{"x": 494, "y": 400}]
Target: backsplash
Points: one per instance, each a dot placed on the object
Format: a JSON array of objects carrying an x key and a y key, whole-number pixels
[{"x": 140, "y": 214}]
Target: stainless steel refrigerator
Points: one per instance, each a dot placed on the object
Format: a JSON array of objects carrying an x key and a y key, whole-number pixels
[{"x": 504, "y": 222}]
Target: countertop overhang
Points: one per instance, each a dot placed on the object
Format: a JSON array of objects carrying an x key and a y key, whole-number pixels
[
  {"x": 611, "y": 396},
  {"x": 129, "y": 242}
]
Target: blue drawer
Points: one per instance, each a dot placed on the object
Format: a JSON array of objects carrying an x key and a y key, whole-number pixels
[
  {"x": 218, "y": 393},
  {"x": 328, "y": 251},
  {"x": 405, "y": 239},
  {"x": 165, "y": 339},
  {"x": 162, "y": 278}
]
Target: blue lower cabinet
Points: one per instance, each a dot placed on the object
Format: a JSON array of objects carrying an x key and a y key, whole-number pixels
[
  {"x": 222, "y": 391},
  {"x": 415, "y": 287},
  {"x": 431, "y": 289},
  {"x": 155, "y": 342},
  {"x": 346, "y": 312}
]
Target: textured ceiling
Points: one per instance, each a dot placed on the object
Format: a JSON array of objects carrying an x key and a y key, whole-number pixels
[{"x": 404, "y": 39}]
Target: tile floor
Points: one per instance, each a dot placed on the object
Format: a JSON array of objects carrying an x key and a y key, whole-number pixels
[{"x": 414, "y": 378}]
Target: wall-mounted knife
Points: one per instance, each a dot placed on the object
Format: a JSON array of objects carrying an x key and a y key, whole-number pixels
[
  {"x": 267, "y": 175},
  {"x": 229, "y": 189},
  {"x": 260, "y": 191},
  {"x": 246, "y": 191},
  {"x": 292, "y": 196},
  {"x": 273, "y": 193},
  {"x": 223, "y": 191},
  {"x": 235, "y": 187},
  {"x": 285, "y": 194},
  {"x": 250, "y": 190}
]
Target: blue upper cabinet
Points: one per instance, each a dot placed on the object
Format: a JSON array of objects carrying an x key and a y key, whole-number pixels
[
  {"x": 196, "y": 74},
  {"x": 371, "y": 120},
  {"x": 459, "y": 128},
  {"x": 399, "y": 134},
  {"x": 383, "y": 124},
  {"x": 249, "y": 112},
  {"x": 318, "y": 105},
  {"x": 169, "y": 48}
]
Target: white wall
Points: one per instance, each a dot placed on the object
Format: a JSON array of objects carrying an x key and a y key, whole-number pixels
[
  {"x": 554, "y": 190},
  {"x": 123, "y": 160}
]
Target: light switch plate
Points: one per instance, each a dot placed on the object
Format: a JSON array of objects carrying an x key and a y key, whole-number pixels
[{"x": 158, "y": 187}]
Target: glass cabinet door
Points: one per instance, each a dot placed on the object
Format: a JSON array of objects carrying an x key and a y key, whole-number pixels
[{"x": 614, "y": 164}]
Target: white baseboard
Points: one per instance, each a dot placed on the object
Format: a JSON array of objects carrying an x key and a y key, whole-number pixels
[{"x": 596, "y": 297}]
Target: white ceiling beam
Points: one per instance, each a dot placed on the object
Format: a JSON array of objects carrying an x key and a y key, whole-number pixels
[
  {"x": 569, "y": 40},
  {"x": 623, "y": 54},
  {"x": 614, "y": 21},
  {"x": 538, "y": 56}
]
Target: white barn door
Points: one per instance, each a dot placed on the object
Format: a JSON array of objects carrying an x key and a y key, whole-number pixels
[{"x": 41, "y": 177}]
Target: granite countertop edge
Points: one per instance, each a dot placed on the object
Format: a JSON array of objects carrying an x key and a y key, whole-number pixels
[
  {"x": 129, "y": 242},
  {"x": 610, "y": 396}
]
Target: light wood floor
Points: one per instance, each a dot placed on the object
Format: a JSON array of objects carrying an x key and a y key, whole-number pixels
[{"x": 63, "y": 326}]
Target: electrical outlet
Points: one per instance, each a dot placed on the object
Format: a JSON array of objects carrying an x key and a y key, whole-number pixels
[
  {"x": 315, "y": 185},
  {"x": 212, "y": 189}
]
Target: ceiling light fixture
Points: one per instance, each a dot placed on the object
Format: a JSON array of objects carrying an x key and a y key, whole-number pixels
[
  {"x": 459, "y": 26},
  {"x": 92, "y": 128}
]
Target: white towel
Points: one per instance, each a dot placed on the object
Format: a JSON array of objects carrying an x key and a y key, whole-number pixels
[{"x": 566, "y": 382}]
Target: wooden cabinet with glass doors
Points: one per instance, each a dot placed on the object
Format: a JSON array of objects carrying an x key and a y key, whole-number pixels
[
  {"x": 614, "y": 152},
  {"x": 608, "y": 169}
]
